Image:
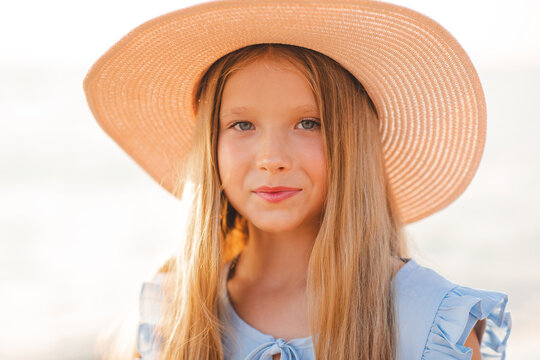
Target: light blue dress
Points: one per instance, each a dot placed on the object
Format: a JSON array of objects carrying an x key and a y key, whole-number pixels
[{"x": 434, "y": 317}]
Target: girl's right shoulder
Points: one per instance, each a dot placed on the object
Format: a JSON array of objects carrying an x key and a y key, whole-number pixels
[{"x": 150, "y": 307}]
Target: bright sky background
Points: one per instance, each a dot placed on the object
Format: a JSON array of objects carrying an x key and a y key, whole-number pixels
[
  {"x": 81, "y": 225},
  {"x": 496, "y": 33}
]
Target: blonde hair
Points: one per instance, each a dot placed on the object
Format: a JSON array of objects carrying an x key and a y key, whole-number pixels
[{"x": 350, "y": 297}]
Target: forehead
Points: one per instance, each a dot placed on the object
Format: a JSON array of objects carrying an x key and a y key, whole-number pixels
[
  {"x": 238, "y": 110},
  {"x": 267, "y": 85}
]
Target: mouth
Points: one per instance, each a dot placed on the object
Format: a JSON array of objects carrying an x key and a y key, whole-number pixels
[
  {"x": 277, "y": 196},
  {"x": 265, "y": 188}
]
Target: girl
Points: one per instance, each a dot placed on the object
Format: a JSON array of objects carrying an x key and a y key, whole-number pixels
[{"x": 304, "y": 135}]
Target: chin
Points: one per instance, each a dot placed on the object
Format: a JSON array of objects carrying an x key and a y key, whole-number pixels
[{"x": 276, "y": 226}]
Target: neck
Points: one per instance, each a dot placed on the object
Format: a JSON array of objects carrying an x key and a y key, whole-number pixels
[{"x": 276, "y": 261}]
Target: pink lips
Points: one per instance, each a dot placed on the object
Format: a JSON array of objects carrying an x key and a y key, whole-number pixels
[{"x": 276, "y": 194}]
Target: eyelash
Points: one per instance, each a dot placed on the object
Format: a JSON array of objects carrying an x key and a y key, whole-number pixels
[{"x": 312, "y": 120}]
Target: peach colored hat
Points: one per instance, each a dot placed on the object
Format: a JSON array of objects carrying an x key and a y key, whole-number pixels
[{"x": 427, "y": 92}]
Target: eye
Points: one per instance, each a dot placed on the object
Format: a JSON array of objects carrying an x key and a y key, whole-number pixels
[
  {"x": 241, "y": 123},
  {"x": 310, "y": 124}
]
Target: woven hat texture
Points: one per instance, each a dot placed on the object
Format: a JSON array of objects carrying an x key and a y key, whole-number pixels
[{"x": 426, "y": 90}]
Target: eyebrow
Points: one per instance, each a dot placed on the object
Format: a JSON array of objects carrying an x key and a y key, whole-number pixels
[{"x": 241, "y": 109}]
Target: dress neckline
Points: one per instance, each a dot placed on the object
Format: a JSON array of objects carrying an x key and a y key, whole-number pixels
[
  {"x": 255, "y": 334},
  {"x": 304, "y": 342}
]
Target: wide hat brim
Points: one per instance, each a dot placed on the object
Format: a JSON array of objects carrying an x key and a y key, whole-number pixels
[{"x": 428, "y": 96}]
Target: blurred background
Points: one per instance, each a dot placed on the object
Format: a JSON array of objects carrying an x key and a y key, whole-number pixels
[{"x": 82, "y": 226}]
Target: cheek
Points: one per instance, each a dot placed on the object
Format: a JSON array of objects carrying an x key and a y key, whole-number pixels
[
  {"x": 319, "y": 171},
  {"x": 314, "y": 161},
  {"x": 230, "y": 157},
  {"x": 221, "y": 160},
  {"x": 224, "y": 161}
]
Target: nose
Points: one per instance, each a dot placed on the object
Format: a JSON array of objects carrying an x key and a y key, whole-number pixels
[{"x": 272, "y": 152}]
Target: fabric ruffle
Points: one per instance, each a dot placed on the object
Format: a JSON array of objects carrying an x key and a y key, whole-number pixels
[
  {"x": 458, "y": 312},
  {"x": 150, "y": 299}
]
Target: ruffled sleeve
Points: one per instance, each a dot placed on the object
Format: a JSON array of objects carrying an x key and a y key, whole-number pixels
[
  {"x": 150, "y": 299},
  {"x": 456, "y": 316}
]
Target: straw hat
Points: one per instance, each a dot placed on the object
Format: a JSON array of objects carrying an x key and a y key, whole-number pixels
[{"x": 427, "y": 93}]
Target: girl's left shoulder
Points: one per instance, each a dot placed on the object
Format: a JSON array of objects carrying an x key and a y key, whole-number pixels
[{"x": 436, "y": 315}]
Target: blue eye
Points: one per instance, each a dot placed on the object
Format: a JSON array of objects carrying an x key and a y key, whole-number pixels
[
  {"x": 245, "y": 125},
  {"x": 240, "y": 122},
  {"x": 313, "y": 122}
]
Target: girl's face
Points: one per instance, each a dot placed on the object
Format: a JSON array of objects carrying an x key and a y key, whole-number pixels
[{"x": 270, "y": 135}]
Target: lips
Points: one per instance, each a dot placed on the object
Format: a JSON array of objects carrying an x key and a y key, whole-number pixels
[
  {"x": 276, "y": 193},
  {"x": 275, "y": 188}
]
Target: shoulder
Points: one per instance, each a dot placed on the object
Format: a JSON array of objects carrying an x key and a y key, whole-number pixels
[
  {"x": 150, "y": 307},
  {"x": 436, "y": 315}
]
